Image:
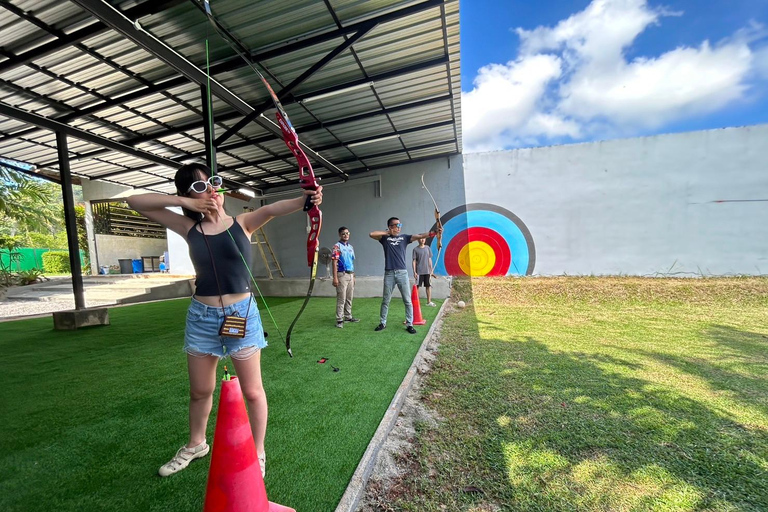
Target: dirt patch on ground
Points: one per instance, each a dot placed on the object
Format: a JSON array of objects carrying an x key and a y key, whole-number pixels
[{"x": 395, "y": 461}]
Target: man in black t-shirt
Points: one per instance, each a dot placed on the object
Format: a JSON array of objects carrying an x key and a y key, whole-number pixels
[{"x": 395, "y": 270}]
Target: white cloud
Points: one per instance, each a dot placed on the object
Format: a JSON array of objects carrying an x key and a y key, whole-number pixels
[
  {"x": 574, "y": 79},
  {"x": 505, "y": 99},
  {"x": 761, "y": 62},
  {"x": 650, "y": 92},
  {"x": 600, "y": 32}
]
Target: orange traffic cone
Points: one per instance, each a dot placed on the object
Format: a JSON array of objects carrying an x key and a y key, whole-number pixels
[
  {"x": 417, "y": 318},
  {"x": 234, "y": 479}
]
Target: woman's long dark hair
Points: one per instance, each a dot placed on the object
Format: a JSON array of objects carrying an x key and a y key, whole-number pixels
[{"x": 185, "y": 176}]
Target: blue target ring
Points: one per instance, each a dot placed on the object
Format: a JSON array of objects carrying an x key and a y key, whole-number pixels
[{"x": 457, "y": 226}]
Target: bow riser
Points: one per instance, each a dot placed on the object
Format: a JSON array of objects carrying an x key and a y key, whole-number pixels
[
  {"x": 307, "y": 181},
  {"x": 313, "y": 242}
]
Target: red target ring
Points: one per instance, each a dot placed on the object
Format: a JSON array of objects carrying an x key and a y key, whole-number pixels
[{"x": 479, "y": 234}]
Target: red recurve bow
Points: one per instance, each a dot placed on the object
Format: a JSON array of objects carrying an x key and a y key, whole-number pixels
[{"x": 307, "y": 180}]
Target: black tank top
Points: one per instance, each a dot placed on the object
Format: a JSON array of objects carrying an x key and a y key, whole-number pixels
[{"x": 232, "y": 272}]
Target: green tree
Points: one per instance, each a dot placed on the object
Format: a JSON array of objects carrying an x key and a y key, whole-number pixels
[
  {"x": 8, "y": 246},
  {"x": 82, "y": 235},
  {"x": 30, "y": 203}
]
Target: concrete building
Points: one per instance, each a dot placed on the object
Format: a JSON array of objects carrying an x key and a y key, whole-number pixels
[{"x": 685, "y": 204}]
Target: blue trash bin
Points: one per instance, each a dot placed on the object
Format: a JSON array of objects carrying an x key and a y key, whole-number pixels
[{"x": 138, "y": 266}]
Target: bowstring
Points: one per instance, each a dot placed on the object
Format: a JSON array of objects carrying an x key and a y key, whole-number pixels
[
  {"x": 438, "y": 223},
  {"x": 209, "y": 100}
]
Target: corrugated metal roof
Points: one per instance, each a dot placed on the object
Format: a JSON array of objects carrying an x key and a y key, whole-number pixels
[{"x": 391, "y": 98}]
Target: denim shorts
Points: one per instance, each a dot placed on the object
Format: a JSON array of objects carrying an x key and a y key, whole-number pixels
[{"x": 201, "y": 336}]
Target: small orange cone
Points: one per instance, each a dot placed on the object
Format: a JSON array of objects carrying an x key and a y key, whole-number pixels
[
  {"x": 417, "y": 318},
  {"x": 234, "y": 478}
]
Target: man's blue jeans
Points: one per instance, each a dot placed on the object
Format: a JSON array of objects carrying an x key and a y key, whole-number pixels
[{"x": 399, "y": 278}]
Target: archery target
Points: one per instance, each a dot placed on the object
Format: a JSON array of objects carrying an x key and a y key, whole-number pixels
[{"x": 484, "y": 240}]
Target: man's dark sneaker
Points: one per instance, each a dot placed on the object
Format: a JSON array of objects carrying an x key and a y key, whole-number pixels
[
  {"x": 352, "y": 319},
  {"x": 380, "y": 327},
  {"x": 410, "y": 329},
  {"x": 340, "y": 325}
]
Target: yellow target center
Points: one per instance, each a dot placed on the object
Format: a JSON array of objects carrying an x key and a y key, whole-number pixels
[{"x": 477, "y": 258}]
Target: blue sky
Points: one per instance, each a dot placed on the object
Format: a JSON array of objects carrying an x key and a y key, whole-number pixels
[{"x": 559, "y": 71}]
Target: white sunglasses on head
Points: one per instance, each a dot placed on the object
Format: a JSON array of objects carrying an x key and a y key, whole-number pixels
[{"x": 202, "y": 185}]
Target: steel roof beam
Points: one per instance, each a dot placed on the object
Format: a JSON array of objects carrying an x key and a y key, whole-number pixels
[
  {"x": 174, "y": 82},
  {"x": 117, "y": 20},
  {"x": 216, "y": 68},
  {"x": 339, "y": 32},
  {"x": 145, "y": 9},
  {"x": 341, "y": 121},
  {"x": 340, "y": 145},
  {"x": 286, "y": 91},
  {"x": 221, "y": 169},
  {"x": 233, "y": 115},
  {"x": 55, "y": 126},
  {"x": 367, "y": 157},
  {"x": 388, "y": 153},
  {"x": 439, "y": 61},
  {"x": 223, "y": 117},
  {"x": 28, "y": 172},
  {"x": 152, "y": 136}
]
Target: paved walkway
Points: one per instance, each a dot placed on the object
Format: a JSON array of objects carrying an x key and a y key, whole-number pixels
[{"x": 56, "y": 294}]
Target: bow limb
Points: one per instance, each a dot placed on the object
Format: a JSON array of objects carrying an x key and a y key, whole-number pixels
[
  {"x": 438, "y": 224},
  {"x": 307, "y": 181}
]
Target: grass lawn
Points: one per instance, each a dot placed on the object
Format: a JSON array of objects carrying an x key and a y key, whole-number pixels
[
  {"x": 596, "y": 394},
  {"x": 89, "y": 416}
]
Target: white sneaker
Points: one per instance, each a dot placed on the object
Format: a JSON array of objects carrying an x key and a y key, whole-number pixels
[
  {"x": 182, "y": 458},
  {"x": 263, "y": 464},
  {"x": 431, "y": 304}
]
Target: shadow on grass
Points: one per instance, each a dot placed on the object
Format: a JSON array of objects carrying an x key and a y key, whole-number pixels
[
  {"x": 547, "y": 430},
  {"x": 737, "y": 368}
]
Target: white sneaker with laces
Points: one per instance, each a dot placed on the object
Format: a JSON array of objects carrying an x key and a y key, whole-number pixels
[
  {"x": 183, "y": 457},
  {"x": 431, "y": 304}
]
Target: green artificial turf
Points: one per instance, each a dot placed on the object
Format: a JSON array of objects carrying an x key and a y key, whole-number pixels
[
  {"x": 88, "y": 416},
  {"x": 596, "y": 394}
]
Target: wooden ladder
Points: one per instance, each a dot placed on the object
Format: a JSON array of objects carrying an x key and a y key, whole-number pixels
[{"x": 272, "y": 266}]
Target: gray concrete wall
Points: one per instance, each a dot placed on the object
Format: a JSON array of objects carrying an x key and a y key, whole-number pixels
[
  {"x": 357, "y": 206},
  {"x": 680, "y": 204},
  {"x": 684, "y": 204},
  {"x": 362, "y": 204},
  {"x": 111, "y": 248},
  {"x": 98, "y": 190}
]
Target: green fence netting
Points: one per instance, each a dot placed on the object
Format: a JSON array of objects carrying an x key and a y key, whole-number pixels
[{"x": 27, "y": 258}]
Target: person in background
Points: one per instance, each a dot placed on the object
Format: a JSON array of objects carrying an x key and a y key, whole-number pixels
[
  {"x": 395, "y": 245},
  {"x": 344, "y": 277},
  {"x": 422, "y": 268}
]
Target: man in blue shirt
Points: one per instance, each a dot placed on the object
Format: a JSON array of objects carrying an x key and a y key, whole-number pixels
[
  {"x": 344, "y": 277},
  {"x": 395, "y": 269}
]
